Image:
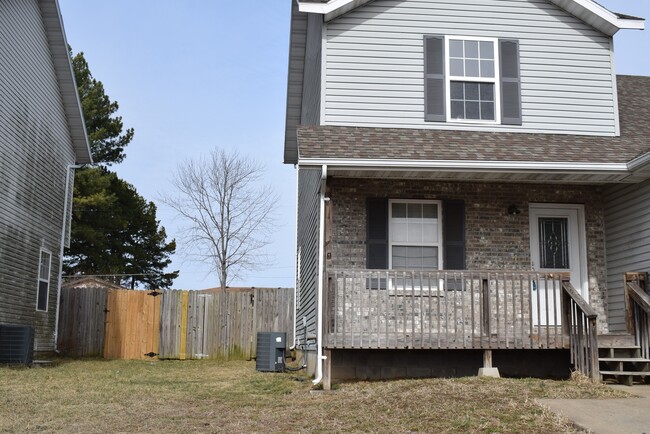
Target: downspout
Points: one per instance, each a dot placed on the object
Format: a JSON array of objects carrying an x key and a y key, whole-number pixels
[
  {"x": 64, "y": 227},
  {"x": 321, "y": 272},
  {"x": 297, "y": 271}
]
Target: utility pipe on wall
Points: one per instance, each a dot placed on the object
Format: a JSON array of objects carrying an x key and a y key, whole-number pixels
[
  {"x": 297, "y": 270},
  {"x": 321, "y": 272}
]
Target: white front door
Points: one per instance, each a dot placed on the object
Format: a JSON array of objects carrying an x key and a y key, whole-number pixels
[{"x": 557, "y": 244}]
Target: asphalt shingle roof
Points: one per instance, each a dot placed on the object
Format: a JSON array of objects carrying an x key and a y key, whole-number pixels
[{"x": 336, "y": 142}]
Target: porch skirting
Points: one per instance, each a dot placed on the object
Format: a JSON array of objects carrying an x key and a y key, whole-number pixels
[{"x": 349, "y": 365}]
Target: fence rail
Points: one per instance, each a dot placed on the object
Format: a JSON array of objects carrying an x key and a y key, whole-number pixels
[{"x": 188, "y": 324}]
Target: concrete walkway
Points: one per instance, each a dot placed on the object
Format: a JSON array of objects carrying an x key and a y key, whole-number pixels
[{"x": 604, "y": 416}]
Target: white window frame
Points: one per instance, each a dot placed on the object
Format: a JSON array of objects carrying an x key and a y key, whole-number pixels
[
  {"x": 39, "y": 279},
  {"x": 496, "y": 80},
  {"x": 390, "y": 236}
]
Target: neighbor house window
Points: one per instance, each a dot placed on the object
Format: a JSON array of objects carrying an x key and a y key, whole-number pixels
[
  {"x": 472, "y": 80},
  {"x": 414, "y": 235},
  {"x": 43, "y": 291}
]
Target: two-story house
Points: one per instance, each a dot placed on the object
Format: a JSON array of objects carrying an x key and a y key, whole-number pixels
[
  {"x": 42, "y": 138},
  {"x": 472, "y": 187}
]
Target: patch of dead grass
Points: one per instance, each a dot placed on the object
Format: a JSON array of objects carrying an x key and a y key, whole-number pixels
[{"x": 208, "y": 396}]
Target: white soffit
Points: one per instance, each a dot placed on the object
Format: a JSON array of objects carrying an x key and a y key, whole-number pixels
[
  {"x": 587, "y": 10},
  {"x": 533, "y": 171},
  {"x": 332, "y": 8}
]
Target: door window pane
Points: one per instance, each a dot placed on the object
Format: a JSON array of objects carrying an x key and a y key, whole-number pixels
[{"x": 554, "y": 243}]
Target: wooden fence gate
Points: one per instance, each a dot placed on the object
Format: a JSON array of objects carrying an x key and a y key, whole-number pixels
[{"x": 132, "y": 324}]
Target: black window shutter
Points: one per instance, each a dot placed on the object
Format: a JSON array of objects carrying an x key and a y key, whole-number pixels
[
  {"x": 434, "y": 79},
  {"x": 453, "y": 229},
  {"x": 377, "y": 233},
  {"x": 510, "y": 82}
]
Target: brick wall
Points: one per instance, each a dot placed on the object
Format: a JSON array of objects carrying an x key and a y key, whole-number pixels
[{"x": 494, "y": 239}]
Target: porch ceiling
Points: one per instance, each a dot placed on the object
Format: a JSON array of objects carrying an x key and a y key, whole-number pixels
[{"x": 486, "y": 176}]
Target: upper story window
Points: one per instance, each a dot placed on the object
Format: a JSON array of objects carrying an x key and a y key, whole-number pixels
[{"x": 472, "y": 80}]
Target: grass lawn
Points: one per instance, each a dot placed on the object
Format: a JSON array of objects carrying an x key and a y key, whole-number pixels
[{"x": 231, "y": 397}]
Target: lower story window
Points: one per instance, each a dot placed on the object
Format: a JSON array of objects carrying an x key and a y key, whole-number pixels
[
  {"x": 414, "y": 235},
  {"x": 43, "y": 291}
]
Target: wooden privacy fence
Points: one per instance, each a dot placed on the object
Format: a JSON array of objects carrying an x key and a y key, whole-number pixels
[
  {"x": 170, "y": 324},
  {"x": 82, "y": 318},
  {"x": 207, "y": 325}
]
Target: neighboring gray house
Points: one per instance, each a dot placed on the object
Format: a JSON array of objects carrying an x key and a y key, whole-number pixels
[
  {"x": 42, "y": 137},
  {"x": 472, "y": 187}
]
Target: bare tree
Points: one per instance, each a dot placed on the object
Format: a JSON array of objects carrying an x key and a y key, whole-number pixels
[{"x": 229, "y": 211}]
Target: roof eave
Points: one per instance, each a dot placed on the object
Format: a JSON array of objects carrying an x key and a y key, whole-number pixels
[
  {"x": 332, "y": 8},
  {"x": 55, "y": 31},
  {"x": 586, "y": 10},
  {"x": 599, "y": 17},
  {"x": 297, "y": 40}
]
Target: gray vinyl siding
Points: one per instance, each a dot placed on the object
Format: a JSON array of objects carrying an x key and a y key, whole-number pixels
[
  {"x": 627, "y": 230},
  {"x": 35, "y": 149},
  {"x": 308, "y": 234},
  {"x": 374, "y": 55}
]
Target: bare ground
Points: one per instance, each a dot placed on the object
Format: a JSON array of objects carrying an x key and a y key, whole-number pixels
[{"x": 231, "y": 397}]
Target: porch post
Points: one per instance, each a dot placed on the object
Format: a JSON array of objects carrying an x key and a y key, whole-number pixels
[
  {"x": 327, "y": 370},
  {"x": 487, "y": 370}
]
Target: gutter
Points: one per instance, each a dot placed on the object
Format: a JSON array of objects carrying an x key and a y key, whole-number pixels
[
  {"x": 64, "y": 227},
  {"x": 639, "y": 162},
  {"x": 475, "y": 165},
  {"x": 321, "y": 272}
]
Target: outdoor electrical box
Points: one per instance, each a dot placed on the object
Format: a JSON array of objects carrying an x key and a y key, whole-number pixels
[
  {"x": 271, "y": 351},
  {"x": 16, "y": 344}
]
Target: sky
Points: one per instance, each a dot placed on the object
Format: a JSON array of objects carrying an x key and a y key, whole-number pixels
[{"x": 194, "y": 75}]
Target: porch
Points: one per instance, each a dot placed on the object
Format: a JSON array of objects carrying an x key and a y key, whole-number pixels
[{"x": 451, "y": 310}]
